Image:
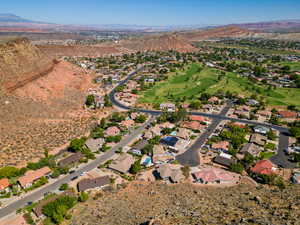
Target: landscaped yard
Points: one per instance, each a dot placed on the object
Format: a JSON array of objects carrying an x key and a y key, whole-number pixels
[{"x": 188, "y": 86}]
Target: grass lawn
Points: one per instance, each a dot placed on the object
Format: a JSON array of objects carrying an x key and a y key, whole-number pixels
[
  {"x": 295, "y": 66},
  {"x": 188, "y": 86},
  {"x": 266, "y": 155}
]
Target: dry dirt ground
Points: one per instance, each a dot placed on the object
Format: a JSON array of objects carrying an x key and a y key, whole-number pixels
[
  {"x": 158, "y": 203},
  {"x": 43, "y": 114}
]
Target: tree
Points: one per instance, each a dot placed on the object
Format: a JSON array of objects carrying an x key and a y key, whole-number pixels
[
  {"x": 90, "y": 100},
  {"x": 291, "y": 107},
  {"x": 77, "y": 144},
  {"x": 107, "y": 102},
  {"x": 140, "y": 118},
  {"x": 186, "y": 171},
  {"x": 271, "y": 135},
  {"x": 83, "y": 197},
  {"x": 63, "y": 187},
  {"x": 9, "y": 172},
  {"x": 237, "y": 167},
  {"x": 295, "y": 131},
  {"x": 135, "y": 167}
]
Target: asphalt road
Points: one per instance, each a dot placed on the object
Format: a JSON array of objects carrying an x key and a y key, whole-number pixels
[
  {"x": 281, "y": 159},
  {"x": 38, "y": 194},
  {"x": 191, "y": 156}
]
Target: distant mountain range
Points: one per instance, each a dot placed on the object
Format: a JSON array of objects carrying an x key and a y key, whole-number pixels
[{"x": 9, "y": 20}]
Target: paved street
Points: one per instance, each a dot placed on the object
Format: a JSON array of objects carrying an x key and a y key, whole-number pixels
[
  {"x": 281, "y": 159},
  {"x": 191, "y": 156},
  {"x": 38, "y": 194}
]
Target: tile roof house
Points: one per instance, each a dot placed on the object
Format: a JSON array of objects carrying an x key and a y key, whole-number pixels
[
  {"x": 38, "y": 210},
  {"x": 221, "y": 146},
  {"x": 162, "y": 158},
  {"x": 98, "y": 182},
  {"x": 76, "y": 157},
  {"x": 94, "y": 144},
  {"x": 213, "y": 99},
  {"x": 183, "y": 133},
  {"x": 258, "y": 139},
  {"x": 263, "y": 167},
  {"x": 224, "y": 160},
  {"x": 169, "y": 174},
  {"x": 112, "y": 131},
  {"x": 251, "y": 148},
  {"x": 288, "y": 114},
  {"x": 4, "y": 184},
  {"x": 261, "y": 129},
  {"x": 123, "y": 163},
  {"x": 213, "y": 176},
  {"x": 198, "y": 118},
  {"x": 127, "y": 123},
  {"x": 158, "y": 149},
  {"x": 170, "y": 107},
  {"x": 33, "y": 175},
  {"x": 193, "y": 125}
]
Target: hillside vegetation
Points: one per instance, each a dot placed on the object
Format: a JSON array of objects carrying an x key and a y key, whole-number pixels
[{"x": 185, "y": 204}]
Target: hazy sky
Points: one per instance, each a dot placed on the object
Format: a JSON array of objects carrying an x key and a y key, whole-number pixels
[{"x": 153, "y": 12}]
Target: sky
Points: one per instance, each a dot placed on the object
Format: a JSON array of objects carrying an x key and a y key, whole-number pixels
[{"x": 153, "y": 12}]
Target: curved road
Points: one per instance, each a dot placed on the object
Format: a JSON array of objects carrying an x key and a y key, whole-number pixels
[{"x": 189, "y": 158}]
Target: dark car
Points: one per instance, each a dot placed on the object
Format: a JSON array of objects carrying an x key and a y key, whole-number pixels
[
  {"x": 74, "y": 178},
  {"x": 72, "y": 171},
  {"x": 29, "y": 203}
]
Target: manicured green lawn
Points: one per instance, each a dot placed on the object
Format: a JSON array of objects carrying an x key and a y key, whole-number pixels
[
  {"x": 266, "y": 155},
  {"x": 185, "y": 85},
  {"x": 295, "y": 66},
  {"x": 188, "y": 86}
]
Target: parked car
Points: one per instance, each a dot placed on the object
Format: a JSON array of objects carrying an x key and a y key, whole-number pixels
[{"x": 74, "y": 178}]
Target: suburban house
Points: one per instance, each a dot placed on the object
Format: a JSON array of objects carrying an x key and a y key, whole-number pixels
[
  {"x": 112, "y": 131},
  {"x": 288, "y": 114},
  {"x": 258, "y": 139},
  {"x": 263, "y": 167},
  {"x": 94, "y": 144},
  {"x": 74, "y": 158},
  {"x": 174, "y": 143},
  {"x": 127, "y": 123},
  {"x": 33, "y": 175},
  {"x": 213, "y": 99},
  {"x": 169, "y": 107},
  {"x": 123, "y": 163},
  {"x": 38, "y": 210},
  {"x": 193, "y": 125},
  {"x": 251, "y": 148},
  {"x": 224, "y": 160},
  {"x": 213, "y": 176},
  {"x": 170, "y": 174},
  {"x": 200, "y": 119},
  {"x": 222, "y": 146},
  {"x": 137, "y": 148},
  {"x": 98, "y": 182},
  {"x": 4, "y": 184},
  {"x": 252, "y": 102},
  {"x": 183, "y": 133},
  {"x": 261, "y": 129}
]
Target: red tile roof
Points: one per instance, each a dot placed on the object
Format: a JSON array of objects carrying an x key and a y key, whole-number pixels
[
  {"x": 221, "y": 145},
  {"x": 198, "y": 118},
  {"x": 33, "y": 175},
  {"x": 287, "y": 114},
  {"x": 194, "y": 125},
  {"x": 4, "y": 183},
  {"x": 127, "y": 123},
  {"x": 112, "y": 131},
  {"x": 209, "y": 175},
  {"x": 263, "y": 167}
]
